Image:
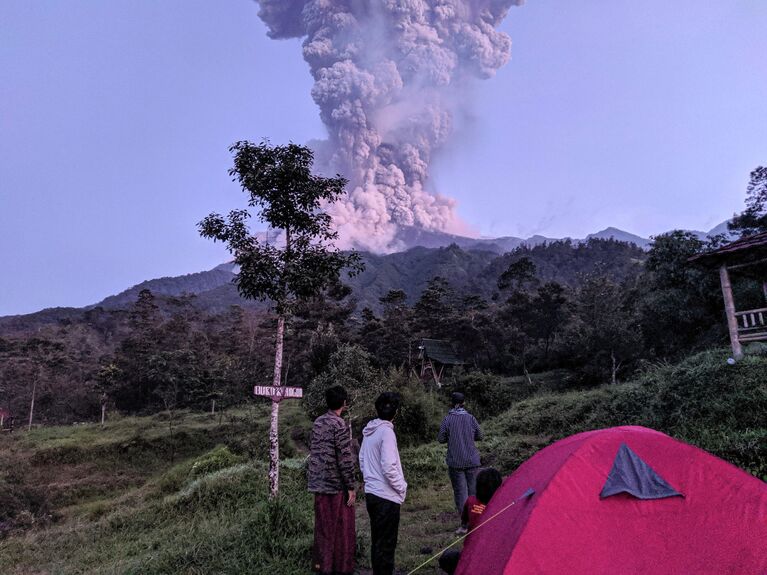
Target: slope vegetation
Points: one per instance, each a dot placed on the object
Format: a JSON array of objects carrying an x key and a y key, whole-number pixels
[{"x": 134, "y": 498}]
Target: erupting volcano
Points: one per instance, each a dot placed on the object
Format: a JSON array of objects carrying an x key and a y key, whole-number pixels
[{"x": 390, "y": 76}]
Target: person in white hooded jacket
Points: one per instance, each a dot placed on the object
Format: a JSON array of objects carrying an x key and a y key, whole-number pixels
[{"x": 385, "y": 485}]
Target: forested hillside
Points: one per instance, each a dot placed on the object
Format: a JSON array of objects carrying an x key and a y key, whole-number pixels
[{"x": 599, "y": 310}]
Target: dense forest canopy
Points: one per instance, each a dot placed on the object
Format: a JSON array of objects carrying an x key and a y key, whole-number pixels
[{"x": 599, "y": 309}]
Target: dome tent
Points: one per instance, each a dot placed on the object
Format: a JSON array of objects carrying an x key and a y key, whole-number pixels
[{"x": 625, "y": 500}]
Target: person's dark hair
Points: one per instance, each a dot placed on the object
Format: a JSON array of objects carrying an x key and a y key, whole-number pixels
[
  {"x": 335, "y": 397},
  {"x": 387, "y": 405},
  {"x": 488, "y": 482},
  {"x": 448, "y": 561},
  {"x": 456, "y": 398}
]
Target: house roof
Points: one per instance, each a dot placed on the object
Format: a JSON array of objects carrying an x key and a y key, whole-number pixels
[
  {"x": 441, "y": 351},
  {"x": 753, "y": 244}
]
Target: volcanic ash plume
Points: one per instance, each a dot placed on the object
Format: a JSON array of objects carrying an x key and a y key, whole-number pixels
[{"x": 389, "y": 77}]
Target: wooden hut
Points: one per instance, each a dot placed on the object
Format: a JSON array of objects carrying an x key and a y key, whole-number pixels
[
  {"x": 747, "y": 256},
  {"x": 435, "y": 356}
]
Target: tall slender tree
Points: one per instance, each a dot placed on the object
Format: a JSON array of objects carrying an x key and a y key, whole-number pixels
[{"x": 302, "y": 262}]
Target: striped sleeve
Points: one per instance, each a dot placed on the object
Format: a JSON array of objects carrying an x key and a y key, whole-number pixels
[
  {"x": 478, "y": 434},
  {"x": 443, "y": 434}
]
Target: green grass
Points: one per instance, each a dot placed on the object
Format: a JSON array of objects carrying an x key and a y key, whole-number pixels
[{"x": 129, "y": 499}]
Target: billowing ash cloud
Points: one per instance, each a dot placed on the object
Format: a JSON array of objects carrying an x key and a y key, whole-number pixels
[{"x": 389, "y": 77}]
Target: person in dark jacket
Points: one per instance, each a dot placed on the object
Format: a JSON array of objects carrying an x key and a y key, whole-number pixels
[
  {"x": 331, "y": 479},
  {"x": 460, "y": 430}
]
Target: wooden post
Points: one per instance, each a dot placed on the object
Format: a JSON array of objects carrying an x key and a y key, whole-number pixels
[
  {"x": 274, "y": 441},
  {"x": 729, "y": 308},
  {"x": 32, "y": 405}
]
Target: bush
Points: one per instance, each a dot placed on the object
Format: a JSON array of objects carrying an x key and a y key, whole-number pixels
[
  {"x": 703, "y": 391},
  {"x": 22, "y": 506},
  {"x": 424, "y": 464},
  {"x": 508, "y": 453},
  {"x": 702, "y": 400},
  {"x": 215, "y": 460},
  {"x": 488, "y": 395},
  {"x": 351, "y": 367},
  {"x": 421, "y": 412}
]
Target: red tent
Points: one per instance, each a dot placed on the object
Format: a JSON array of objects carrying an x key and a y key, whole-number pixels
[{"x": 622, "y": 501}]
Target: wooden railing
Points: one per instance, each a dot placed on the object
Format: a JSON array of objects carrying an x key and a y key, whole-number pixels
[{"x": 752, "y": 324}]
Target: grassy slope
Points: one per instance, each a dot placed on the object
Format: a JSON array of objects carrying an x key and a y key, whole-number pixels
[{"x": 121, "y": 506}]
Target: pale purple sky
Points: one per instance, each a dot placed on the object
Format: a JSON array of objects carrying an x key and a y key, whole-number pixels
[{"x": 115, "y": 119}]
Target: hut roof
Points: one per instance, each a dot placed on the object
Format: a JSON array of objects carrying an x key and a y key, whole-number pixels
[
  {"x": 743, "y": 247},
  {"x": 441, "y": 351}
]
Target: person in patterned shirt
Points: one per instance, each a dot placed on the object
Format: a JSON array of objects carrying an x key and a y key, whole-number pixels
[
  {"x": 460, "y": 430},
  {"x": 331, "y": 479}
]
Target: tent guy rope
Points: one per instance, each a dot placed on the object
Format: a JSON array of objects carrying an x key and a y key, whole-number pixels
[{"x": 530, "y": 491}]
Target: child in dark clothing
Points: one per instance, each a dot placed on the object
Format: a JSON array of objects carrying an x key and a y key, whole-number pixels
[{"x": 488, "y": 482}]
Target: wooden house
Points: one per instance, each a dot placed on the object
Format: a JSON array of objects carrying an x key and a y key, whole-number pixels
[
  {"x": 435, "y": 356},
  {"x": 748, "y": 257}
]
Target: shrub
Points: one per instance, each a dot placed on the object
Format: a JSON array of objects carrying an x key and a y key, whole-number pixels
[
  {"x": 488, "y": 395},
  {"x": 22, "y": 506},
  {"x": 421, "y": 411},
  {"x": 351, "y": 367},
  {"x": 215, "y": 460},
  {"x": 701, "y": 400}
]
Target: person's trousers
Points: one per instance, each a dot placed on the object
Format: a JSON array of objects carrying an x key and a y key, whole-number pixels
[
  {"x": 384, "y": 525},
  {"x": 464, "y": 480},
  {"x": 335, "y": 539}
]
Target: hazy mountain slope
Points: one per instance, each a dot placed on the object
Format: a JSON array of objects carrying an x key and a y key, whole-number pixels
[
  {"x": 411, "y": 270},
  {"x": 620, "y": 235},
  {"x": 470, "y": 264},
  {"x": 195, "y": 283}
]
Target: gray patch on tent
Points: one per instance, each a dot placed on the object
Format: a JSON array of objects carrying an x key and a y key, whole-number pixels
[{"x": 630, "y": 474}]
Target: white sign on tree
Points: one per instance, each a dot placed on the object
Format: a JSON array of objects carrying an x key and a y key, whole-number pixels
[{"x": 278, "y": 393}]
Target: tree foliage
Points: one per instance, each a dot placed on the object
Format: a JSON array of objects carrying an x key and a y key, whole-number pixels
[
  {"x": 597, "y": 311},
  {"x": 289, "y": 198},
  {"x": 754, "y": 218}
]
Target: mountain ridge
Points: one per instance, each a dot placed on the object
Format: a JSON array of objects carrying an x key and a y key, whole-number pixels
[{"x": 214, "y": 290}]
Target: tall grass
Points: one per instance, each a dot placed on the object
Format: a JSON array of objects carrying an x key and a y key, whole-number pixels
[{"x": 86, "y": 500}]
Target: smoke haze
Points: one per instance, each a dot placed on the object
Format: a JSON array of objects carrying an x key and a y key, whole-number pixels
[{"x": 390, "y": 76}]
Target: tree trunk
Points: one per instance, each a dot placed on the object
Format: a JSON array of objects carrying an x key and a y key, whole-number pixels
[
  {"x": 170, "y": 431},
  {"x": 103, "y": 413},
  {"x": 32, "y": 405},
  {"x": 274, "y": 443},
  {"x": 213, "y": 408},
  {"x": 614, "y": 378},
  {"x": 527, "y": 373}
]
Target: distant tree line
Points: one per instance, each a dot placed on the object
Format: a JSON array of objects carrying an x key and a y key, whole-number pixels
[
  {"x": 600, "y": 310},
  {"x": 601, "y": 325}
]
